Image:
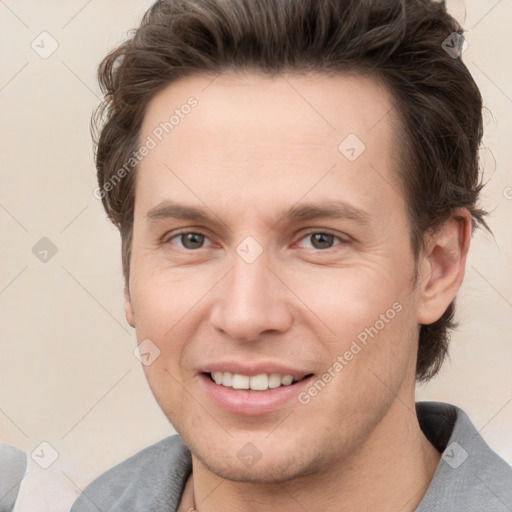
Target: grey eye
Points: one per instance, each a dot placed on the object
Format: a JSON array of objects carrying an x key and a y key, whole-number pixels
[
  {"x": 322, "y": 240},
  {"x": 191, "y": 240}
]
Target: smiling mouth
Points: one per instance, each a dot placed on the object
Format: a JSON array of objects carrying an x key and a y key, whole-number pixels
[{"x": 260, "y": 382}]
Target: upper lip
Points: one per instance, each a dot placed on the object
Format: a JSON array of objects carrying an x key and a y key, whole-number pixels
[{"x": 251, "y": 369}]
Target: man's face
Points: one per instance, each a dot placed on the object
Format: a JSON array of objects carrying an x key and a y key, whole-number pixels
[{"x": 266, "y": 284}]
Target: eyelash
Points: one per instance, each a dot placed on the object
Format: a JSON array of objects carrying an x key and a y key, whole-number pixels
[{"x": 167, "y": 240}]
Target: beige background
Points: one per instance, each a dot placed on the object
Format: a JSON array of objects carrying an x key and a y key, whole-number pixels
[{"x": 67, "y": 372}]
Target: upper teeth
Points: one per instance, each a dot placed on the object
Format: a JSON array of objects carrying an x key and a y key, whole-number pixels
[{"x": 260, "y": 382}]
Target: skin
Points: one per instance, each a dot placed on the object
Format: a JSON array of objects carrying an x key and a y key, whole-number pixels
[{"x": 252, "y": 148}]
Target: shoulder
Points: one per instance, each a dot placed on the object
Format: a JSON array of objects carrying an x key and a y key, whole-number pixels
[
  {"x": 13, "y": 463},
  {"x": 151, "y": 480},
  {"x": 470, "y": 475}
]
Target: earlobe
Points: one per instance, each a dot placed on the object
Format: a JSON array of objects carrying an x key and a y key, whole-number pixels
[
  {"x": 442, "y": 266},
  {"x": 128, "y": 307}
]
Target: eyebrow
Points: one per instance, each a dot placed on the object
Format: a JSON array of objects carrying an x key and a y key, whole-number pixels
[
  {"x": 326, "y": 210},
  {"x": 301, "y": 212}
]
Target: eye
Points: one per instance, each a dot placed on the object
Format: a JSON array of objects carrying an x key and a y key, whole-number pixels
[
  {"x": 322, "y": 240},
  {"x": 189, "y": 240}
]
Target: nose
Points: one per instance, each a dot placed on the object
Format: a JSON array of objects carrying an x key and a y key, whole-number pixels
[{"x": 251, "y": 301}]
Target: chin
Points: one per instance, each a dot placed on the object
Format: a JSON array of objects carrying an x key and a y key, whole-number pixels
[
  {"x": 276, "y": 468},
  {"x": 269, "y": 472}
]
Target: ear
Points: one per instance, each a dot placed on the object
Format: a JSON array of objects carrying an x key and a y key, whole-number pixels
[
  {"x": 442, "y": 265},
  {"x": 128, "y": 307}
]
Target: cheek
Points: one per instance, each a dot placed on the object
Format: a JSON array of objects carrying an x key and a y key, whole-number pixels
[
  {"x": 163, "y": 299},
  {"x": 160, "y": 309},
  {"x": 348, "y": 300},
  {"x": 367, "y": 321},
  {"x": 167, "y": 388},
  {"x": 169, "y": 307}
]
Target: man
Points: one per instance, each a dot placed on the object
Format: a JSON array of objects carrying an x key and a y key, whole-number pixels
[{"x": 295, "y": 184}]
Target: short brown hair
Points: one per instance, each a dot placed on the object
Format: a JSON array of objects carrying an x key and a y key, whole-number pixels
[{"x": 403, "y": 43}]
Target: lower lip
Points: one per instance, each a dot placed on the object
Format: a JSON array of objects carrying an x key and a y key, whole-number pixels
[{"x": 252, "y": 403}]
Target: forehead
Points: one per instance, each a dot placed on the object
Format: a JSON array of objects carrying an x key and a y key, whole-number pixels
[
  {"x": 237, "y": 132},
  {"x": 326, "y": 107}
]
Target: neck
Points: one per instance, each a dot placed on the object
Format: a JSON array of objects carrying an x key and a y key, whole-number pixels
[{"x": 390, "y": 471}]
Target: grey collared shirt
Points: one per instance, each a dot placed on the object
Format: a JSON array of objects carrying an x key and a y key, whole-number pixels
[{"x": 470, "y": 476}]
